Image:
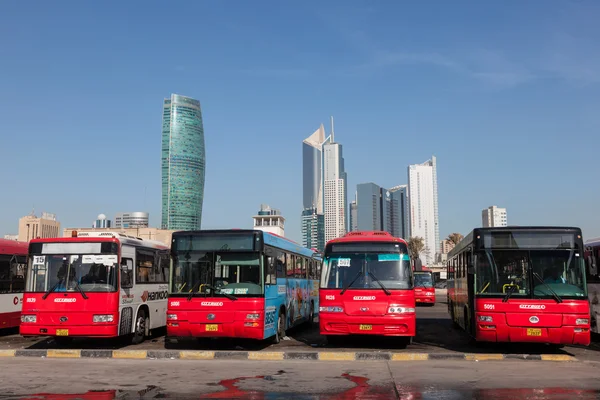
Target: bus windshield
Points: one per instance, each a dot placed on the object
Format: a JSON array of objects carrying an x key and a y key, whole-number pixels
[
  {"x": 73, "y": 272},
  {"x": 423, "y": 279},
  {"x": 366, "y": 270},
  {"x": 216, "y": 273},
  {"x": 530, "y": 273}
]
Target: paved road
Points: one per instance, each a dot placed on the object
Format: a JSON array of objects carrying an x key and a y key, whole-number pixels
[
  {"x": 435, "y": 334},
  {"x": 145, "y": 379}
]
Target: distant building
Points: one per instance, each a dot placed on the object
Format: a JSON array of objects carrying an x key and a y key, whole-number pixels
[
  {"x": 335, "y": 186},
  {"x": 353, "y": 218},
  {"x": 132, "y": 220},
  {"x": 446, "y": 246},
  {"x": 31, "y": 227},
  {"x": 102, "y": 222},
  {"x": 183, "y": 163},
  {"x": 493, "y": 216},
  {"x": 423, "y": 203},
  {"x": 381, "y": 209},
  {"x": 313, "y": 229},
  {"x": 11, "y": 237},
  {"x": 161, "y": 235},
  {"x": 269, "y": 220}
]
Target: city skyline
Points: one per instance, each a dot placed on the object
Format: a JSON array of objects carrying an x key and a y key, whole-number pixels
[{"x": 453, "y": 92}]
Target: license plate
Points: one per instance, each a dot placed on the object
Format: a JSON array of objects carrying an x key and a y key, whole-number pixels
[
  {"x": 62, "y": 332},
  {"x": 212, "y": 328},
  {"x": 365, "y": 327},
  {"x": 534, "y": 332}
]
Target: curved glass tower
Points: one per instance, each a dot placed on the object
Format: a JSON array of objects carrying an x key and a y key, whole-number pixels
[{"x": 183, "y": 163}]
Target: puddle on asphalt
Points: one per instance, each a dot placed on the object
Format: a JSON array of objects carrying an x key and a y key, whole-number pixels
[{"x": 361, "y": 390}]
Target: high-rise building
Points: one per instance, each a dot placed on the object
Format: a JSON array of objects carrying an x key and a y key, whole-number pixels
[
  {"x": 136, "y": 219},
  {"x": 313, "y": 221},
  {"x": 423, "y": 203},
  {"x": 183, "y": 163},
  {"x": 32, "y": 227},
  {"x": 102, "y": 222},
  {"x": 353, "y": 216},
  {"x": 313, "y": 229},
  {"x": 382, "y": 209},
  {"x": 269, "y": 220},
  {"x": 335, "y": 196},
  {"x": 493, "y": 216},
  {"x": 446, "y": 246}
]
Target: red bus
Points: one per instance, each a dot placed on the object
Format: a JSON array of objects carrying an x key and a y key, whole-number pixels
[
  {"x": 366, "y": 287},
  {"x": 424, "y": 287},
  {"x": 520, "y": 284},
  {"x": 13, "y": 268},
  {"x": 95, "y": 284}
]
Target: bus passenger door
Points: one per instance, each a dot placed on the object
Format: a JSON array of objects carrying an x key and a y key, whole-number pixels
[{"x": 272, "y": 284}]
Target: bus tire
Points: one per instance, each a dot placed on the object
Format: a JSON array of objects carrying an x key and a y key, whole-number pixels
[
  {"x": 280, "y": 331},
  {"x": 139, "y": 332}
]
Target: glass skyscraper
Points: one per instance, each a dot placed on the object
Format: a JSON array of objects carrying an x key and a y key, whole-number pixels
[{"x": 183, "y": 163}]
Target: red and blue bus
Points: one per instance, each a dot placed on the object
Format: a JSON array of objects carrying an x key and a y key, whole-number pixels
[
  {"x": 13, "y": 269},
  {"x": 95, "y": 284},
  {"x": 367, "y": 287},
  {"x": 240, "y": 284},
  {"x": 520, "y": 284}
]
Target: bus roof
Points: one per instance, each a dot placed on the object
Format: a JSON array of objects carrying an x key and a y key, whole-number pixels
[
  {"x": 593, "y": 242},
  {"x": 105, "y": 237},
  {"x": 467, "y": 240},
  {"x": 13, "y": 247},
  {"x": 367, "y": 236}
]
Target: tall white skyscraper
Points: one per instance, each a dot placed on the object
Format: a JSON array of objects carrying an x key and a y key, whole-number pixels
[
  {"x": 423, "y": 204},
  {"x": 334, "y": 188},
  {"x": 493, "y": 216}
]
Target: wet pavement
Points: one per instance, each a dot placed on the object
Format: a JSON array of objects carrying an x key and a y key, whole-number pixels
[
  {"x": 131, "y": 379},
  {"x": 435, "y": 334}
]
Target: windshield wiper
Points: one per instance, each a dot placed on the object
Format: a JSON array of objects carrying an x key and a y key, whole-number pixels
[
  {"x": 512, "y": 289},
  {"x": 230, "y": 297},
  {"x": 52, "y": 289},
  {"x": 80, "y": 290},
  {"x": 351, "y": 283},
  {"x": 380, "y": 284},
  {"x": 552, "y": 292}
]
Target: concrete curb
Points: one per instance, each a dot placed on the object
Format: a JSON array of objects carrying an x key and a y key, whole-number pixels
[{"x": 278, "y": 355}]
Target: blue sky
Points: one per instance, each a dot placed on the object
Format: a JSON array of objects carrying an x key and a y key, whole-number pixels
[{"x": 505, "y": 94}]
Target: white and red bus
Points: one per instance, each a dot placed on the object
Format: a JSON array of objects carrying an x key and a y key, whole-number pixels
[
  {"x": 95, "y": 284},
  {"x": 367, "y": 287},
  {"x": 13, "y": 268},
  {"x": 520, "y": 284}
]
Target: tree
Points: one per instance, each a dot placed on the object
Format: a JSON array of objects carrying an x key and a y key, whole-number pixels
[
  {"x": 454, "y": 238},
  {"x": 416, "y": 246}
]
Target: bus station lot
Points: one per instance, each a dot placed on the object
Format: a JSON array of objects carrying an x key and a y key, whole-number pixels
[{"x": 435, "y": 335}]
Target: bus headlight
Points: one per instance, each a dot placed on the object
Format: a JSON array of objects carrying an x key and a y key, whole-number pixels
[
  {"x": 252, "y": 316},
  {"x": 172, "y": 316},
  {"x": 429, "y": 294},
  {"x": 103, "y": 318},
  {"x": 29, "y": 318},
  {"x": 484, "y": 318},
  {"x": 582, "y": 321},
  {"x": 400, "y": 310},
  {"x": 331, "y": 309}
]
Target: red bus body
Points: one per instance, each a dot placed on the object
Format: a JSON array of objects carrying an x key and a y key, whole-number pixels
[
  {"x": 423, "y": 294},
  {"x": 524, "y": 317},
  {"x": 365, "y": 311},
  {"x": 13, "y": 270},
  {"x": 66, "y": 314}
]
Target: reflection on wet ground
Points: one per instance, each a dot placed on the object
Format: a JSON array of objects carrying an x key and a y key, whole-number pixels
[{"x": 360, "y": 390}]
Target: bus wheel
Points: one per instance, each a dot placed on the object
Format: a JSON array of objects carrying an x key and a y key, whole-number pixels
[
  {"x": 311, "y": 314},
  {"x": 140, "y": 327},
  {"x": 280, "y": 331}
]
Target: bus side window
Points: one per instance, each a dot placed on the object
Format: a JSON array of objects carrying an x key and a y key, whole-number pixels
[
  {"x": 280, "y": 263},
  {"x": 290, "y": 264},
  {"x": 593, "y": 263}
]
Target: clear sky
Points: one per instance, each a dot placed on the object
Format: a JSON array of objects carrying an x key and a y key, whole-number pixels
[{"x": 505, "y": 94}]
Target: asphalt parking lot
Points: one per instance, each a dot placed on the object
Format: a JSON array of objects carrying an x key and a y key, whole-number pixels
[{"x": 435, "y": 334}]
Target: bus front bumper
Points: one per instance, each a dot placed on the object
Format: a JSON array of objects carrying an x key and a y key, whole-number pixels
[
  {"x": 62, "y": 330},
  {"x": 235, "y": 329},
  {"x": 332, "y": 324}
]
